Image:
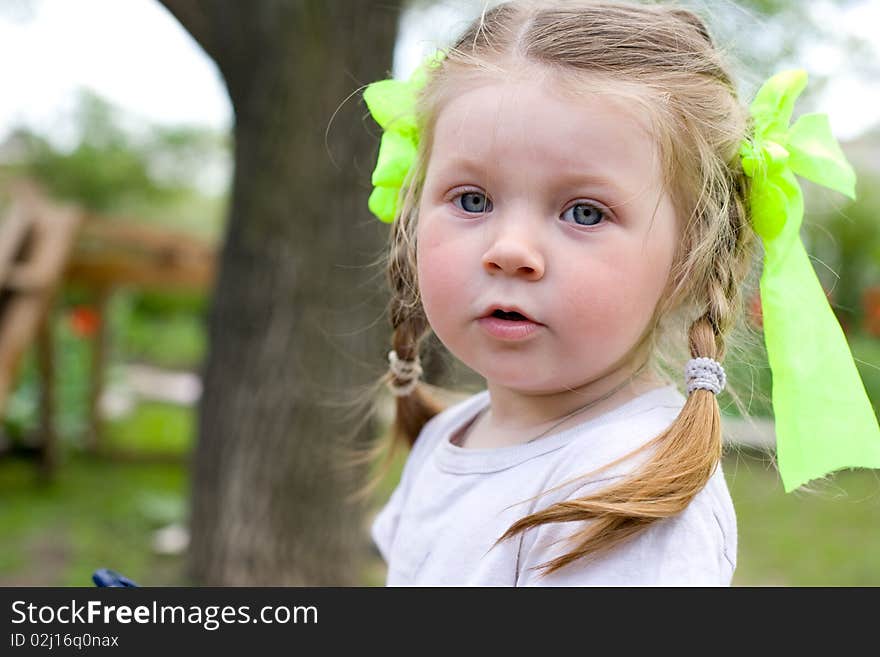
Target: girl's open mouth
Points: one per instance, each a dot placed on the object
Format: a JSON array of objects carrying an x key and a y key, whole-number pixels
[
  {"x": 508, "y": 325},
  {"x": 511, "y": 316}
]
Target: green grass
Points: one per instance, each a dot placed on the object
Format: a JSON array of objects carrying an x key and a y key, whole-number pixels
[
  {"x": 830, "y": 537},
  {"x": 153, "y": 428},
  {"x": 95, "y": 514}
]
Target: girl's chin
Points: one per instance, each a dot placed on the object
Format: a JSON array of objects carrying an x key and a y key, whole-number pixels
[{"x": 522, "y": 380}]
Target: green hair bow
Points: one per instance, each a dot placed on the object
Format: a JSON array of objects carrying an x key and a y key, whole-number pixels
[
  {"x": 824, "y": 419},
  {"x": 392, "y": 104}
]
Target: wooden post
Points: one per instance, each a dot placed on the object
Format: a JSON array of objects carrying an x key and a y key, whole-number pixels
[{"x": 46, "y": 368}]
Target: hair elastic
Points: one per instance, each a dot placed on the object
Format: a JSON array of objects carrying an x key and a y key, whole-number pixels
[
  {"x": 705, "y": 373},
  {"x": 405, "y": 371}
]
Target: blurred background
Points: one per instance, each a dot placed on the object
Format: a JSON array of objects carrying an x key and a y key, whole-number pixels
[{"x": 189, "y": 309}]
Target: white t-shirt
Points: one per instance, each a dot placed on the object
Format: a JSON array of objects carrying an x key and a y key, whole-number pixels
[{"x": 453, "y": 502}]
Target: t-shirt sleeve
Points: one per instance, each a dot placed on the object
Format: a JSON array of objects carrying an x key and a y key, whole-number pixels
[
  {"x": 683, "y": 550},
  {"x": 384, "y": 525}
]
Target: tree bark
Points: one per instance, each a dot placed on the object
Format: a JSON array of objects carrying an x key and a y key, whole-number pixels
[{"x": 296, "y": 311}]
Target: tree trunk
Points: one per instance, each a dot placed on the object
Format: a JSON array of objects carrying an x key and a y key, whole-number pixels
[{"x": 296, "y": 319}]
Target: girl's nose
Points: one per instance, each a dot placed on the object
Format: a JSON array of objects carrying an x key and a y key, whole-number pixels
[{"x": 514, "y": 255}]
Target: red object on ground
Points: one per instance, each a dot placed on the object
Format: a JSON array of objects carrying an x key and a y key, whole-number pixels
[{"x": 84, "y": 321}]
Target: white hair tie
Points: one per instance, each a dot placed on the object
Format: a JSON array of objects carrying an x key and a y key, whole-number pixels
[
  {"x": 405, "y": 371},
  {"x": 705, "y": 373}
]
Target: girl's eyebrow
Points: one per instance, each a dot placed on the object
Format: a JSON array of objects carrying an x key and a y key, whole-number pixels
[
  {"x": 589, "y": 178},
  {"x": 458, "y": 164}
]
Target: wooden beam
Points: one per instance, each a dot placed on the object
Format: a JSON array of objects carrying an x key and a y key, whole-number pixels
[
  {"x": 53, "y": 233},
  {"x": 14, "y": 229}
]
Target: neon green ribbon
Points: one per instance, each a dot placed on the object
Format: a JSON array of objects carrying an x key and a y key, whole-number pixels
[
  {"x": 392, "y": 104},
  {"x": 824, "y": 419}
]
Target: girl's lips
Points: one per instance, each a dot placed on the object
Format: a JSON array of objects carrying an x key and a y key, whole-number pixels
[{"x": 508, "y": 329}]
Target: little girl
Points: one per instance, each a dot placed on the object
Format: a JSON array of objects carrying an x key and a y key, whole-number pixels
[{"x": 573, "y": 206}]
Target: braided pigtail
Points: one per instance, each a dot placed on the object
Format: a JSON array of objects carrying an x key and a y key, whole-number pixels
[{"x": 414, "y": 400}]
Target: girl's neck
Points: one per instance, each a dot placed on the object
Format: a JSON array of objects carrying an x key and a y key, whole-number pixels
[{"x": 521, "y": 416}]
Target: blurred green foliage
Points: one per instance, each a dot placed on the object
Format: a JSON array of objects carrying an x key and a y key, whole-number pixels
[
  {"x": 748, "y": 374},
  {"x": 163, "y": 329},
  {"x": 845, "y": 245},
  {"x": 866, "y": 353},
  {"x": 72, "y": 364},
  {"x": 176, "y": 176},
  {"x": 104, "y": 166}
]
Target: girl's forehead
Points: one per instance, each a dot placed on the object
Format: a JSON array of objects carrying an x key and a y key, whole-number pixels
[
  {"x": 520, "y": 120},
  {"x": 545, "y": 95}
]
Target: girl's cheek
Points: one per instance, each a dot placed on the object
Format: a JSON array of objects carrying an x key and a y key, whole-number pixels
[
  {"x": 610, "y": 298},
  {"x": 443, "y": 271},
  {"x": 433, "y": 268},
  {"x": 594, "y": 301},
  {"x": 437, "y": 271}
]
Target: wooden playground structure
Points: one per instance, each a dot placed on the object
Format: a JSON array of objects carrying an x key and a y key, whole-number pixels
[{"x": 45, "y": 246}]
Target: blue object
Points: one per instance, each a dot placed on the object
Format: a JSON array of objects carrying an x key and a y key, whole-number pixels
[{"x": 107, "y": 577}]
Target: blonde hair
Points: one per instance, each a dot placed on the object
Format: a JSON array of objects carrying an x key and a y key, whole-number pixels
[{"x": 667, "y": 54}]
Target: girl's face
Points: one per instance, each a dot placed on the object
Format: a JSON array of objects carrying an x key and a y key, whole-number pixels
[{"x": 551, "y": 205}]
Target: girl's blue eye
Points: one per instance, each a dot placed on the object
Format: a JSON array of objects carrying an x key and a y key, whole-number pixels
[
  {"x": 475, "y": 202},
  {"x": 586, "y": 214}
]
